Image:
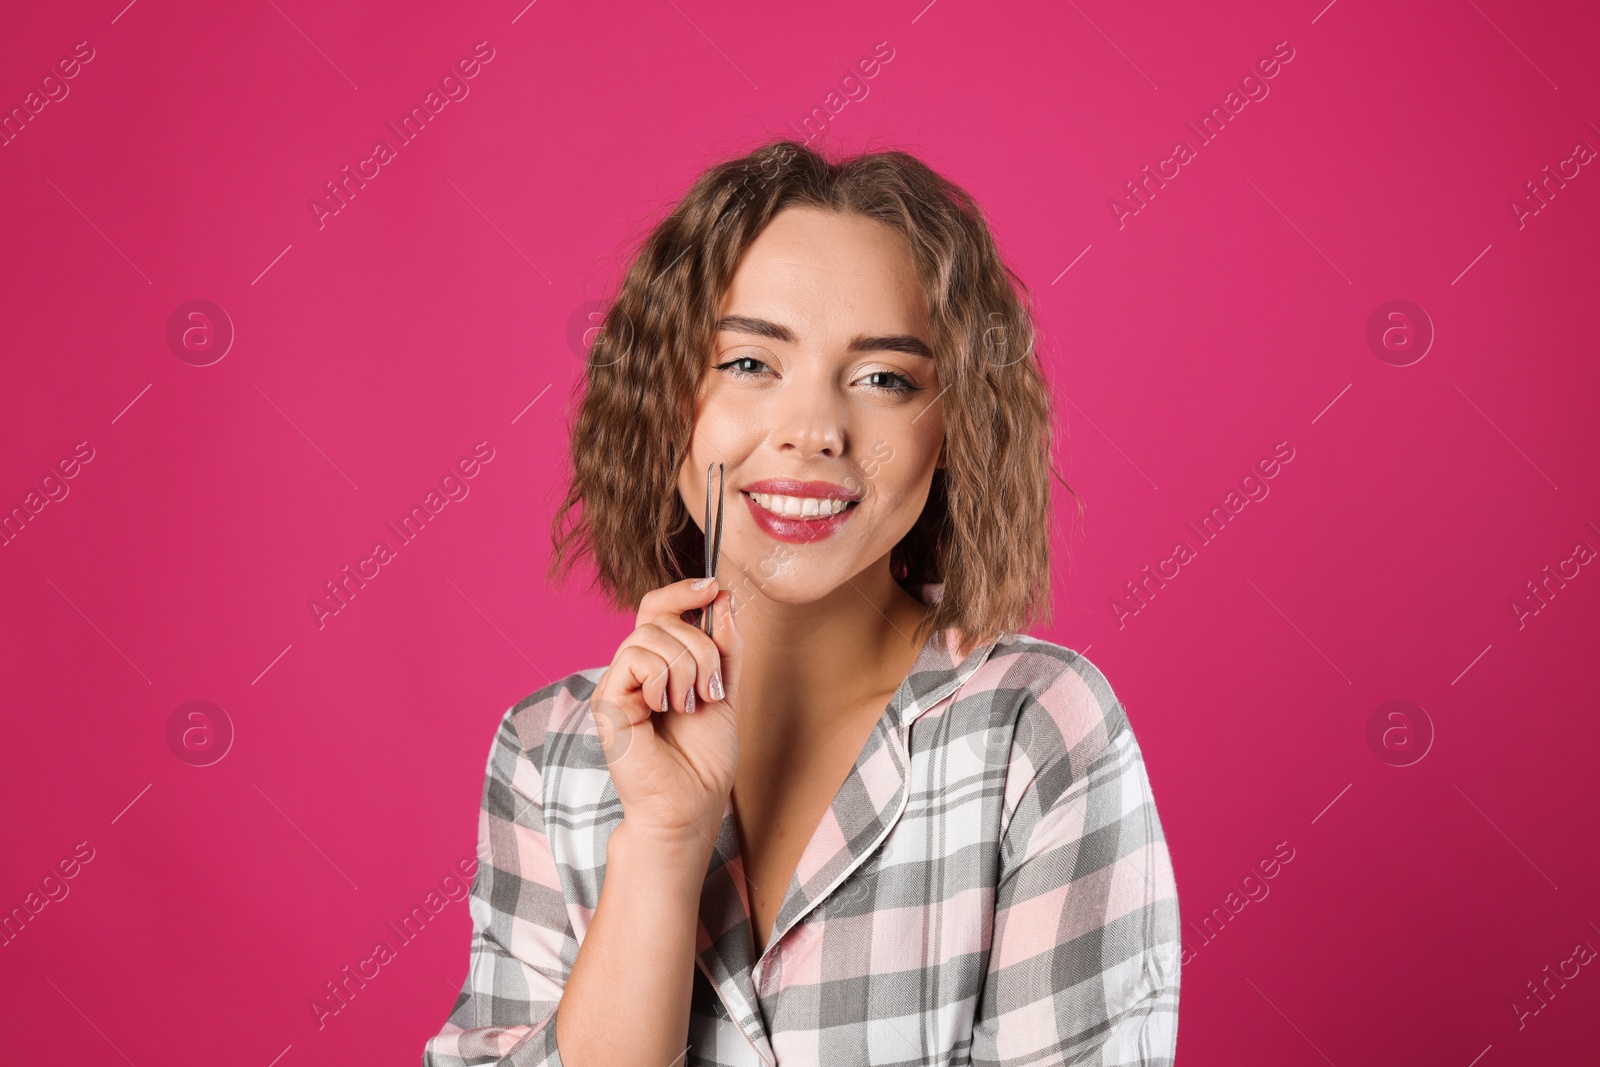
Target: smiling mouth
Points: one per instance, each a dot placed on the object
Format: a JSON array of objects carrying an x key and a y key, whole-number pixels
[
  {"x": 800, "y": 508},
  {"x": 827, "y": 516}
]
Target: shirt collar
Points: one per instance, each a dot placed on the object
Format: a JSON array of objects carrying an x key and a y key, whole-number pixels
[{"x": 939, "y": 670}]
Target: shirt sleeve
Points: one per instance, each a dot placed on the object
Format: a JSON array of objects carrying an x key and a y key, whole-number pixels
[
  {"x": 522, "y": 945},
  {"x": 1084, "y": 963}
]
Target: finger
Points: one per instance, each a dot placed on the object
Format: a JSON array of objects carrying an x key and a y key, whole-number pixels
[
  {"x": 639, "y": 680},
  {"x": 707, "y": 656},
  {"x": 729, "y": 641},
  {"x": 674, "y": 599},
  {"x": 675, "y": 667}
]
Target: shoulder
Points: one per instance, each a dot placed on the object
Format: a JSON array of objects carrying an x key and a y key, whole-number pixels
[
  {"x": 559, "y": 709},
  {"x": 1068, "y": 715}
]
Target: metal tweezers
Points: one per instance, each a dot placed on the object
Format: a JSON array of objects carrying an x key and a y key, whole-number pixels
[{"x": 713, "y": 540}]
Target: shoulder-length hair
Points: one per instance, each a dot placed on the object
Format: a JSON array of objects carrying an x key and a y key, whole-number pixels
[{"x": 985, "y": 531}]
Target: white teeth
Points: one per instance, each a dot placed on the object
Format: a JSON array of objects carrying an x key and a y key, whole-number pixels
[{"x": 800, "y": 507}]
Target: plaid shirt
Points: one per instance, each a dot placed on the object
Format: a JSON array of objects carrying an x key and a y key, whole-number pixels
[{"x": 990, "y": 886}]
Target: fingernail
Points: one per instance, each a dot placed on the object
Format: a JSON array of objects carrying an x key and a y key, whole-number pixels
[
  {"x": 716, "y": 686},
  {"x": 666, "y": 701},
  {"x": 701, "y": 583},
  {"x": 688, "y": 704}
]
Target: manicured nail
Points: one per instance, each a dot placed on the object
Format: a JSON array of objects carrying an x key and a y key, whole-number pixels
[
  {"x": 701, "y": 583},
  {"x": 666, "y": 701},
  {"x": 688, "y": 704},
  {"x": 716, "y": 686}
]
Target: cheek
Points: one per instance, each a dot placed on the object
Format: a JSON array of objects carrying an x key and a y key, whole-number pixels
[
  {"x": 899, "y": 466},
  {"x": 724, "y": 434},
  {"x": 722, "y": 427},
  {"x": 903, "y": 502},
  {"x": 901, "y": 488}
]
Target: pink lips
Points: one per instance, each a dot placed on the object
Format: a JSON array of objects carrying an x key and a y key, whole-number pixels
[{"x": 797, "y": 530}]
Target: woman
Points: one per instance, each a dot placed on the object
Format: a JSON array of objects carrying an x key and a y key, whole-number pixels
[{"x": 865, "y": 821}]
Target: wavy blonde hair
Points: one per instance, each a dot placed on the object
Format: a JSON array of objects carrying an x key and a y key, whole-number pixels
[{"x": 985, "y": 531}]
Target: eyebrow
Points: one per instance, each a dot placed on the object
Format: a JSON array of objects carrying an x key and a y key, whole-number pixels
[{"x": 914, "y": 346}]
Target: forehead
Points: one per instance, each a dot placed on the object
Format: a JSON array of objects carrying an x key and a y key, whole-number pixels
[{"x": 822, "y": 270}]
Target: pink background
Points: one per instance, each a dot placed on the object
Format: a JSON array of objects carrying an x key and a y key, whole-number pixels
[{"x": 436, "y": 310}]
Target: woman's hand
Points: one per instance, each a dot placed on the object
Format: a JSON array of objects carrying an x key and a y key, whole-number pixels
[{"x": 673, "y": 770}]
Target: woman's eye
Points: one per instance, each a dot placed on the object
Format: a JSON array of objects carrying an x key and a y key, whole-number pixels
[
  {"x": 895, "y": 383},
  {"x": 742, "y": 366}
]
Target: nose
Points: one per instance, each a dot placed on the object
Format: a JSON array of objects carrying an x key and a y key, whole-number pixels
[{"x": 808, "y": 420}]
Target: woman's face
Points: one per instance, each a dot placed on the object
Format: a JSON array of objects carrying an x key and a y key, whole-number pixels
[{"x": 820, "y": 392}]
